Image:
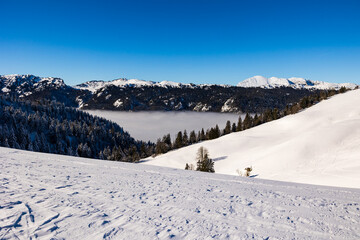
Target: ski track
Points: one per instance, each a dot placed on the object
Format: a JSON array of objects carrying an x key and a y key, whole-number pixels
[{"x": 44, "y": 196}]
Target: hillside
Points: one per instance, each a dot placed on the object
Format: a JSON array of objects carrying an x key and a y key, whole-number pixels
[
  {"x": 48, "y": 196},
  {"x": 317, "y": 146},
  {"x": 50, "y": 127}
]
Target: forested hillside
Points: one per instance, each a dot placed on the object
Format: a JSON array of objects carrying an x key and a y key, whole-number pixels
[
  {"x": 198, "y": 98},
  {"x": 51, "y": 127}
]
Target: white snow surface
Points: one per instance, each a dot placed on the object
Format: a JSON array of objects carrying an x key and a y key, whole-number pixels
[
  {"x": 47, "y": 196},
  {"x": 294, "y": 82},
  {"x": 317, "y": 146}
]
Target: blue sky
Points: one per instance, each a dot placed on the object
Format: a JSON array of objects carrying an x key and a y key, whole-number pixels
[{"x": 205, "y": 41}]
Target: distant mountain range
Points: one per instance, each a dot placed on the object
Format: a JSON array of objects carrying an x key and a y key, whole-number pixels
[
  {"x": 251, "y": 95},
  {"x": 296, "y": 83},
  {"x": 253, "y": 82}
]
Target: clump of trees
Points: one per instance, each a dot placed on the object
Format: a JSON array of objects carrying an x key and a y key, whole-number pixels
[{"x": 203, "y": 161}]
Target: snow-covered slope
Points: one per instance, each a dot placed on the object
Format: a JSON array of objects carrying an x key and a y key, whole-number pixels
[
  {"x": 25, "y": 85},
  {"x": 317, "y": 146},
  {"x": 45, "y": 196},
  {"x": 297, "y": 83}
]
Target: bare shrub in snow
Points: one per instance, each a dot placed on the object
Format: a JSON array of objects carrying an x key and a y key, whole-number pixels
[{"x": 189, "y": 166}]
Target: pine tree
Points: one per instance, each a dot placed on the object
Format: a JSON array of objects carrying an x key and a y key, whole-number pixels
[
  {"x": 202, "y": 135},
  {"x": 167, "y": 141},
  {"x": 160, "y": 147},
  {"x": 179, "y": 140},
  {"x": 192, "y": 138},
  {"x": 204, "y": 162},
  {"x": 233, "y": 127},
  {"x": 227, "y": 128},
  {"x": 185, "y": 141},
  {"x": 257, "y": 120},
  {"x": 239, "y": 125},
  {"x": 247, "y": 122},
  {"x": 217, "y": 131}
]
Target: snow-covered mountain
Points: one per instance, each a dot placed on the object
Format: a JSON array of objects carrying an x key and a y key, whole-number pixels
[
  {"x": 317, "y": 146},
  {"x": 48, "y": 196},
  {"x": 256, "y": 81},
  {"x": 25, "y": 85},
  {"x": 140, "y": 95},
  {"x": 95, "y": 85},
  {"x": 297, "y": 83}
]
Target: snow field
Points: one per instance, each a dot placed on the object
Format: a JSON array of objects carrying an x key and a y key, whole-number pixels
[
  {"x": 317, "y": 146},
  {"x": 48, "y": 196}
]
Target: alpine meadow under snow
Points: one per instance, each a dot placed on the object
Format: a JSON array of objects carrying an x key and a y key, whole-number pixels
[
  {"x": 48, "y": 196},
  {"x": 317, "y": 146}
]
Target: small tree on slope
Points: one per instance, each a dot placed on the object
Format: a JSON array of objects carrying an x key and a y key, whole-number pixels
[{"x": 204, "y": 162}]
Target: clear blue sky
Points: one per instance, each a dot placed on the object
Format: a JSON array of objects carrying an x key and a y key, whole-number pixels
[{"x": 186, "y": 41}]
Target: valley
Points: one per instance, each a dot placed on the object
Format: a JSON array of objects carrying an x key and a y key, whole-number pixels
[{"x": 149, "y": 126}]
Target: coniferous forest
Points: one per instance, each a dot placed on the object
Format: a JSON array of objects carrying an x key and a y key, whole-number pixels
[{"x": 50, "y": 127}]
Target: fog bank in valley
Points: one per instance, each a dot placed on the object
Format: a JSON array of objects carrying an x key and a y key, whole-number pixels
[{"x": 153, "y": 125}]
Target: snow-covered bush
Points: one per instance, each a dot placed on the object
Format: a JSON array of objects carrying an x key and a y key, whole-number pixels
[{"x": 244, "y": 173}]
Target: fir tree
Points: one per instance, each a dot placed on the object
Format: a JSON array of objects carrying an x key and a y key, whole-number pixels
[
  {"x": 192, "y": 138},
  {"x": 233, "y": 127},
  {"x": 239, "y": 125},
  {"x": 204, "y": 162},
  {"x": 227, "y": 128},
  {"x": 179, "y": 140},
  {"x": 247, "y": 121},
  {"x": 185, "y": 140}
]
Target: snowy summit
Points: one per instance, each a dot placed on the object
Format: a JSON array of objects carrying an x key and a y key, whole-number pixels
[
  {"x": 95, "y": 85},
  {"x": 294, "y": 82}
]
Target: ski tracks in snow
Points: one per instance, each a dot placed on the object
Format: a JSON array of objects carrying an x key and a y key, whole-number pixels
[{"x": 44, "y": 196}]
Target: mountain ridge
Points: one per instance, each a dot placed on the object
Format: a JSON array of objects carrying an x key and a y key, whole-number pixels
[
  {"x": 293, "y": 82},
  {"x": 9, "y": 82},
  {"x": 139, "y": 95}
]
